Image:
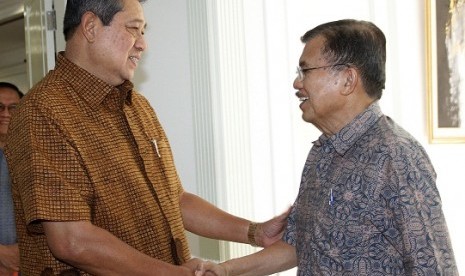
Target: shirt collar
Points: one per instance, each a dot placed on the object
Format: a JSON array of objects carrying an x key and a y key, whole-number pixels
[
  {"x": 87, "y": 84},
  {"x": 343, "y": 140}
]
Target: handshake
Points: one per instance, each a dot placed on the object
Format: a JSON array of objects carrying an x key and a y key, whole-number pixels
[
  {"x": 279, "y": 256},
  {"x": 208, "y": 268},
  {"x": 198, "y": 267},
  {"x": 275, "y": 256}
]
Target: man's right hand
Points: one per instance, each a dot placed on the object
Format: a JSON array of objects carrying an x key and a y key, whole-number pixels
[
  {"x": 9, "y": 259},
  {"x": 208, "y": 268}
]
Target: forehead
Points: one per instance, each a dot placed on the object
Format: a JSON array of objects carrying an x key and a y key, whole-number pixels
[
  {"x": 8, "y": 94},
  {"x": 312, "y": 52},
  {"x": 132, "y": 11}
]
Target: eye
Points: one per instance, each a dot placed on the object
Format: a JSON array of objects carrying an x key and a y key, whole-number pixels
[{"x": 135, "y": 31}]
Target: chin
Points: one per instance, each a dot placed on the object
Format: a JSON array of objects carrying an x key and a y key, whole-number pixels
[
  {"x": 306, "y": 119},
  {"x": 128, "y": 76}
]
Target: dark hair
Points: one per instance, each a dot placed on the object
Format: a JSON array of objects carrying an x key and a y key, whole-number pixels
[
  {"x": 357, "y": 43},
  {"x": 75, "y": 9},
  {"x": 12, "y": 87}
]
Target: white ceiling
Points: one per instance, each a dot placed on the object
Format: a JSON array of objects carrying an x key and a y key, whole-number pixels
[
  {"x": 12, "y": 34},
  {"x": 11, "y": 24}
]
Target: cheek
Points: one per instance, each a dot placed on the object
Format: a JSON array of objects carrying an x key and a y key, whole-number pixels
[
  {"x": 323, "y": 87},
  {"x": 124, "y": 42},
  {"x": 321, "y": 95},
  {"x": 117, "y": 44}
]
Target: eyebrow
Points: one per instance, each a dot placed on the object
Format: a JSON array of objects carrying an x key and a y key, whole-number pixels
[{"x": 139, "y": 21}]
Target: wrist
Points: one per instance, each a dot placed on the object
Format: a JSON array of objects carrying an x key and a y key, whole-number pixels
[
  {"x": 227, "y": 268},
  {"x": 252, "y": 234}
]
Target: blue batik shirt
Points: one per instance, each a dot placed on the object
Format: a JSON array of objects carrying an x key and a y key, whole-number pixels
[
  {"x": 368, "y": 205},
  {"x": 7, "y": 218}
]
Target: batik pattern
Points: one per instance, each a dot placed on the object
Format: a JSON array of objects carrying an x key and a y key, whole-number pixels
[{"x": 368, "y": 205}]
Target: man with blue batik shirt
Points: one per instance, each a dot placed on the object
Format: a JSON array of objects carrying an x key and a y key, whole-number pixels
[
  {"x": 370, "y": 205},
  {"x": 368, "y": 202},
  {"x": 10, "y": 96}
]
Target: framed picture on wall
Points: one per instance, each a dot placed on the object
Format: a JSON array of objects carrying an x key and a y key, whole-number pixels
[{"x": 445, "y": 35}]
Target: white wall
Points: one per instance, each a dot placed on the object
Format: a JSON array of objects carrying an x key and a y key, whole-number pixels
[
  {"x": 272, "y": 33},
  {"x": 164, "y": 78}
]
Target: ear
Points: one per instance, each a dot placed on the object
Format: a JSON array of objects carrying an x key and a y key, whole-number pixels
[
  {"x": 89, "y": 26},
  {"x": 351, "y": 80}
]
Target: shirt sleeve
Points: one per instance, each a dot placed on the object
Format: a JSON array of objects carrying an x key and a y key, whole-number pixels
[
  {"x": 289, "y": 235},
  {"x": 425, "y": 239},
  {"x": 46, "y": 169}
]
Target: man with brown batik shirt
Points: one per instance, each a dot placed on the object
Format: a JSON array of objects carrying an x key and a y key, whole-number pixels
[{"x": 94, "y": 184}]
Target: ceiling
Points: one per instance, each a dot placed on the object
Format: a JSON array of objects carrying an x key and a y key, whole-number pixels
[
  {"x": 11, "y": 24},
  {"x": 12, "y": 34}
]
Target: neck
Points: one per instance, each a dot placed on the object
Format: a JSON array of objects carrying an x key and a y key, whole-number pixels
[
  {"x": 344, "y": 117},
  {"x": 2, "y": 140}
]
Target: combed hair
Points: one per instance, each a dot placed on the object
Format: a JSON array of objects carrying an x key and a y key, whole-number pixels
[
  {"x": 12, "y": 87},
  {"x": 75, "y": 9},
  {"x": 360, "y": 44}
]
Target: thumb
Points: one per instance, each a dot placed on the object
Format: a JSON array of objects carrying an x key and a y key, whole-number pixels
[{"x": 200, "y": 270}]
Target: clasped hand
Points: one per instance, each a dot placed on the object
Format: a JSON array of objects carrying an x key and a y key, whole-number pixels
[{"x": 208, "y": 268}]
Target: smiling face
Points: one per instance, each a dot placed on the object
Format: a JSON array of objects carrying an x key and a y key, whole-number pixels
[
  {"x": 320, "y": 89},
  {"x": 117, "y": 48},
  {"x": 8, "y": 101}
]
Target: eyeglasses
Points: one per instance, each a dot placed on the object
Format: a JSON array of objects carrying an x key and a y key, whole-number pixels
[
  {"x": 302, "y": 71},
  {"x": 11, "y": 108}
]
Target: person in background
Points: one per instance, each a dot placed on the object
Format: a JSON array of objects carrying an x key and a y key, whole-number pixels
[
  {"x": 368, "y": 202},
  {"x": 94, "y": 183},
  {"x": 10, "y": 96}
]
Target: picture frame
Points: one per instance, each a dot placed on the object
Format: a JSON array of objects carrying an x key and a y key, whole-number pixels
[{"x": 446, "y": 97}]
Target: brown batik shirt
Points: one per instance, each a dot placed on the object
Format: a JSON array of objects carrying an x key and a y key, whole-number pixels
[{"x": 82, "y": 150}]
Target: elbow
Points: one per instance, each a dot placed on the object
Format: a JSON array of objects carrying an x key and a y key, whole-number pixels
[
  {"x": 66, "y": 240},
  {"x": 69, "y": 249}
]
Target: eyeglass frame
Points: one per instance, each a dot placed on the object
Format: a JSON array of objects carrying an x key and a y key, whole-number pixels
[
  {"x": 11, "y": 108},
  {"x": 301, "y": 72}
]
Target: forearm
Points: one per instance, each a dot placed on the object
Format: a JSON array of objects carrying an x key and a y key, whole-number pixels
[
  {"x": 204, "y": 219},
  {"x": 9, "y": 257},
  {"x": 98, "y": 252},
  {"x": 278, "y": 257}
]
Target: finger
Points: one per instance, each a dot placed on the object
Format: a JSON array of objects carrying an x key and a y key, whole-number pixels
[
  {"x": 200, "y": 270},
  {"x": 287, "y": 212}
]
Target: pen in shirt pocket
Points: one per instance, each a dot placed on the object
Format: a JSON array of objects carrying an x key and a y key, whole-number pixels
[
  {"x": 155, "y": 144},
  {"x": 331, "y": 198}
]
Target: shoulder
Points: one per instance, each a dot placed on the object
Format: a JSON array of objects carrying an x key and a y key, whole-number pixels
[
  {"x": 393, "y": 136},
  {"x": 139, "y": 99},
  {"x": 392, "y": 147},
  {"x": 405, "y": 153},
  {"x": 52, "y": 88}
]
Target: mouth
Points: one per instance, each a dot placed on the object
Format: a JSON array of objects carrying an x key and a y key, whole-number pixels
[
  {"x": 303, "y": 99},
  {"x": 134, "y": 59}
]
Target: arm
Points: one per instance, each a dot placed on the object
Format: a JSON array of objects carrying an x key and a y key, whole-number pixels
[
  {"x": 278, "y": 257},
  {"x": 9, "y": 258},
  {"x": 424, "y": 240},
  {"x": 204, "y": 219},
  {"x": 98, "y": 252}
]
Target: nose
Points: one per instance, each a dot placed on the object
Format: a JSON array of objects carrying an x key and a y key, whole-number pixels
[
  {"x": 141, "y": 43},
  {"x": 5, "y": 113},
  {"x": 298, "y": 84}
]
